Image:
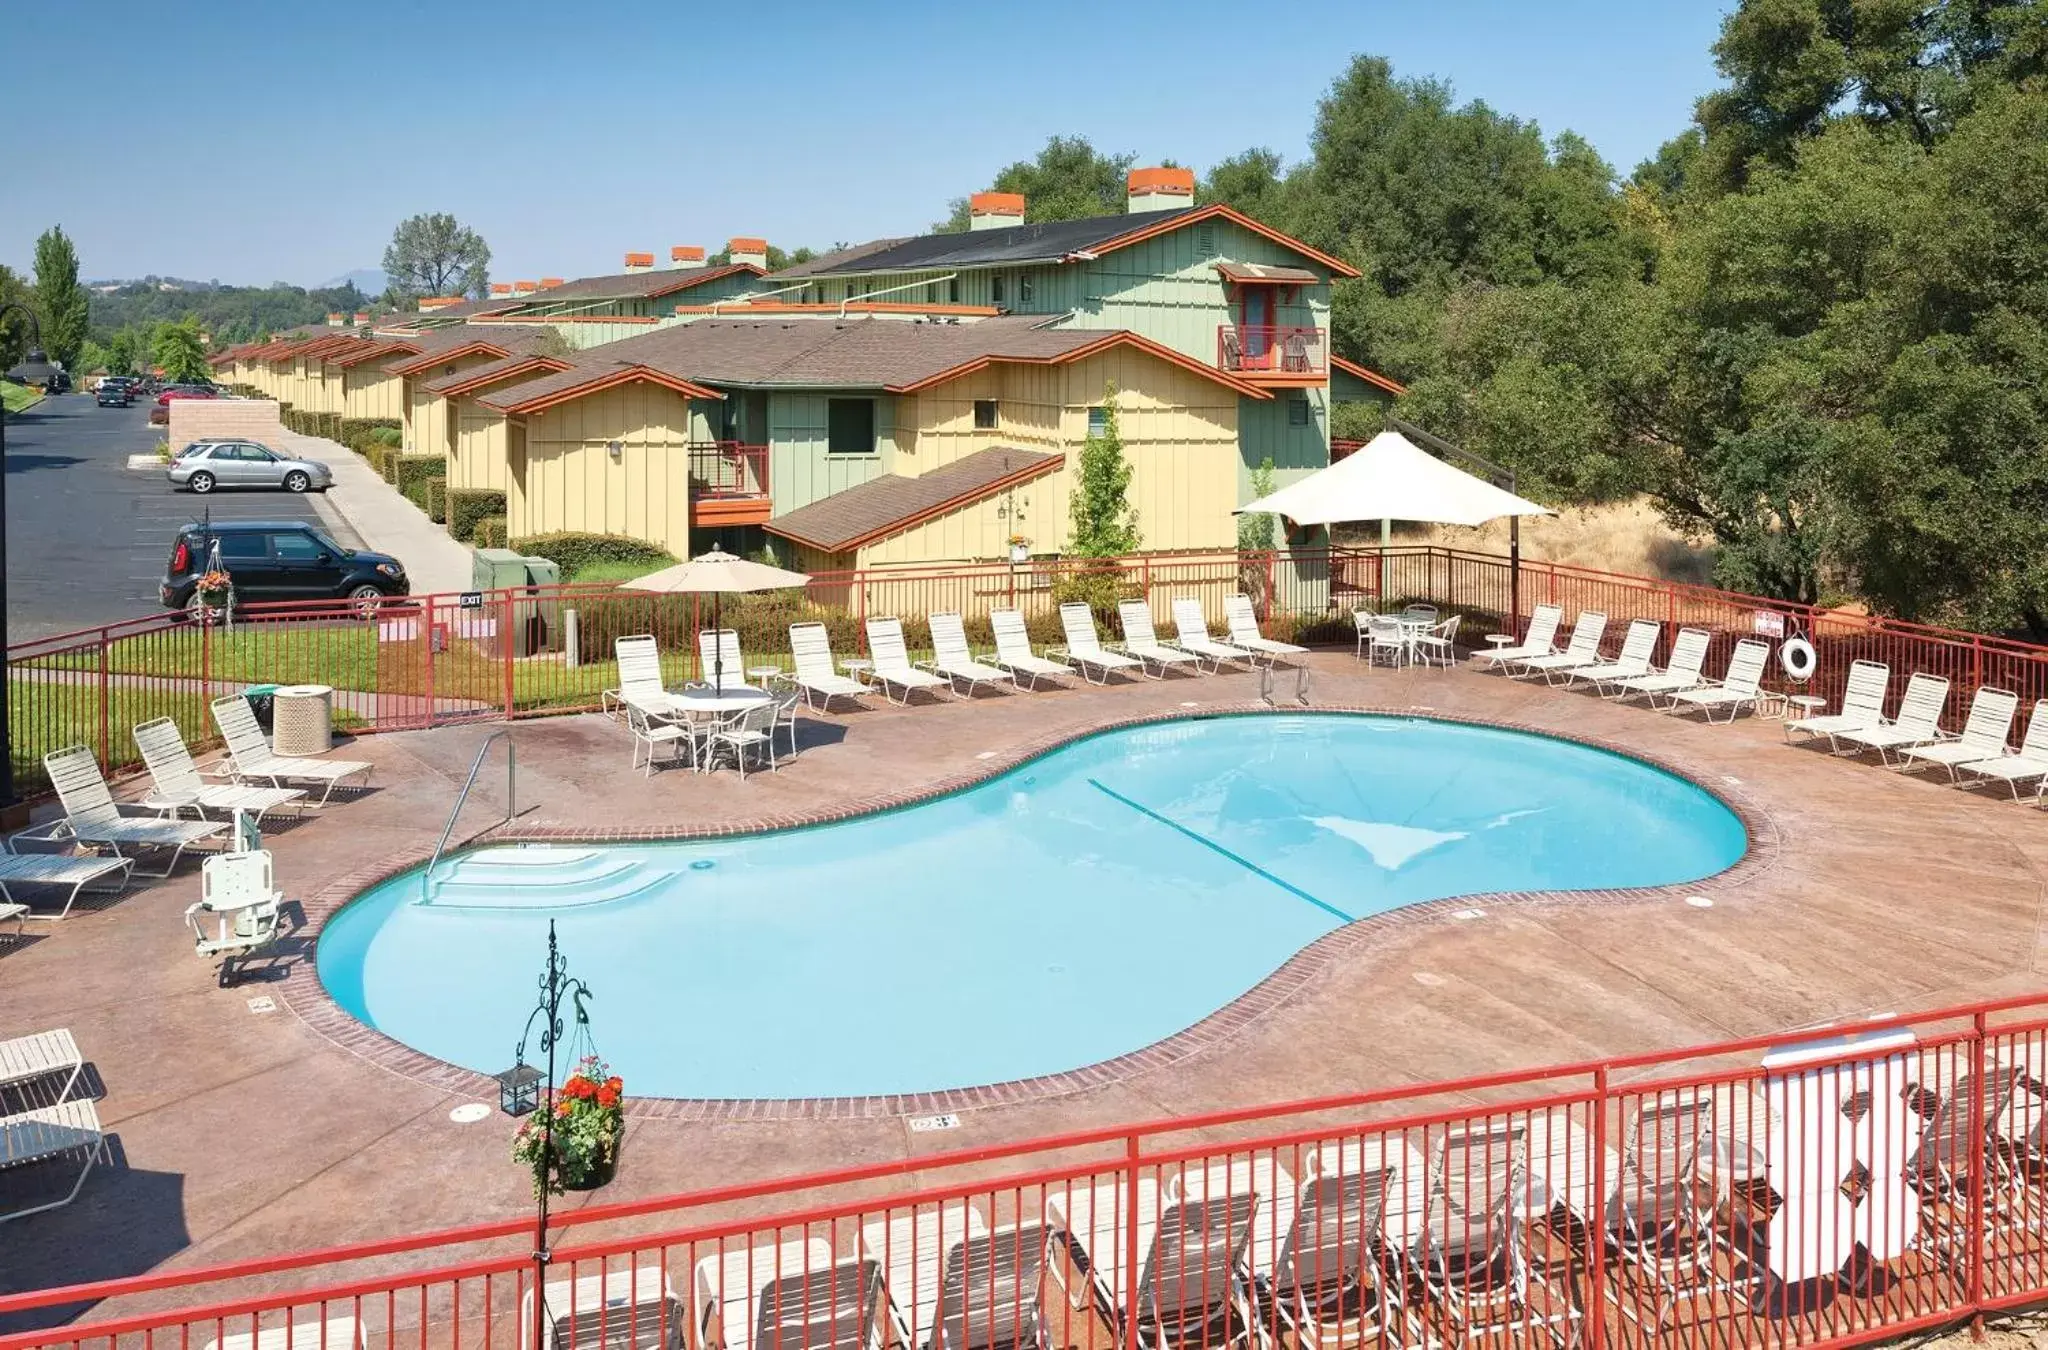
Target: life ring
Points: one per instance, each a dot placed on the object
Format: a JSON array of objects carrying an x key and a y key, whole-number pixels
[{"x": 1798, "y": 659}]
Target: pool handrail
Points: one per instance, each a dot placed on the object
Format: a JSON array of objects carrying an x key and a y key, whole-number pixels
[{"x": 476, "y": 765}]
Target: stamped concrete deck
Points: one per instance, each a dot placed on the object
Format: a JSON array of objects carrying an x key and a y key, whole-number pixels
[{"x": 244, "y": 1133}]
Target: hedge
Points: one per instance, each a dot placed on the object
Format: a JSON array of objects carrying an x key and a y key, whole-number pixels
[
  {"x": 389, "y": 436},
  {"x": 358, "y": 433},
  {"x": 574, "y": 552},
  {"x": 435, "y": 502},
  {"x": 408, "y": 471},
  {"x": 468, "y": 506},
  {"x": 489, "y": 532}
]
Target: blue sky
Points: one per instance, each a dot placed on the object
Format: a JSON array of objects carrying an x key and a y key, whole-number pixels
[{"x": 282, "y": 141}]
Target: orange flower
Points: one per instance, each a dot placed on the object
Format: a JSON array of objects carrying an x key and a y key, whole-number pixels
[
  {"x": 607, "y": 1096},
  {"x": 615, "y": 1083}
]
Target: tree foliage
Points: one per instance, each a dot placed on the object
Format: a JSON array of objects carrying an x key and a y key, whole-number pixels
[
  {"x": 179, "y": 351},
  {"x": 61, "y": 307},
  {"x": 1068, "y": 180},
  {"x": 14, "y": 324},
  {"x": 436, "y": 254},
  {"x": 1105, "y": 524}
]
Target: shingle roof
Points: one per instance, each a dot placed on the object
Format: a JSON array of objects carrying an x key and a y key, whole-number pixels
[
  {"x": 1290, "y": 276},
  {"x": 490, "y": 372},
  {"x": 892, "y": 502},
  {"x": 825, "y": 262},
  {"x": 649, "y": 285}
]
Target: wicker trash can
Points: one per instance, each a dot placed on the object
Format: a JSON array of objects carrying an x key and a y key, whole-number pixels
[{"x": 302, "y": 720}]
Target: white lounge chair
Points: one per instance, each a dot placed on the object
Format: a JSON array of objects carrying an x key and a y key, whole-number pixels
[
  {"x": 1739, "y": 688},
  {"x": 26, "y": 1058},
  {"x": 1539, "y": 640},
  {"x": 955, "y": 1285},
  {"x": 1472, "y": 1253},
  {"x": 719, "y": 661},
  {"x": 1084, "y": 647},
  {"x": 239, "y": 891},
  {"x": 336, "y": 1331},
  {"x": 639, "y": 661},
  {"x": 1242, "y": 624},
  {"x": 621, "y": 1308},
  {"x": 791, "y": 1295},
  {"x": 92, "y": 818},
  {"x": 953, "y": 659},
  {"x": 810, "y": 646},
  {"x": 73, "y": 870},
  {"x": 1983, "y": 737},
  {"x": 1862, "y": 704},
  {"x": 892, "y": 666},
  {"x": 1682, "y": 671},
  {"x": 2030, "y": 761},
  {"x": 1637, "y": 647},
  {"x": 51, "y": 1132},
  {"x": 1918, "y": 722},
  {"x": 1581, "y": 651},
  {"x": 1191, "y": 634},
  {"x": 178, "y": 785},
  {"x": 1142, "y": 642},
  {"x": 253, "y": 758},
  {"x": 1013, "y": 652},
  {"x": 1359, "y": 1203}
]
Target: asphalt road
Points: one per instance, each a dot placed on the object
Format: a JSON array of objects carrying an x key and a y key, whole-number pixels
[{"x": 87, "y": 538}]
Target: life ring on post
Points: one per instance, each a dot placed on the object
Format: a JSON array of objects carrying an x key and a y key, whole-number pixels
[{"x": 1798, "y": 658}]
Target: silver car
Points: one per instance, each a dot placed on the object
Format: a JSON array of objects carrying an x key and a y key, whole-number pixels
[{"x": 206, "y": 465}]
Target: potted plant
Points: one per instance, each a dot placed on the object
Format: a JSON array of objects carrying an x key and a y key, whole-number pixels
[
  {"x": 1020, "y": 549},
  {"x": 216, "y": 590},
  {"x": 586, "y": 1120}
]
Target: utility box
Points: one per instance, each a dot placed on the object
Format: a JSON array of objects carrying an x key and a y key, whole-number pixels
[
  {"x": 536, "y": 617},
  {"x": 497, "y": 569}
]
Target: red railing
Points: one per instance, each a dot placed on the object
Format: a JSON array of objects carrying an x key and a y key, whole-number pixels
[
  {"x": 1343, "y": 446},
  {"x": 1824, "y": 1187},
  {"x": 1272, "y": 349},
  {"x": 729, "y": 469},
  {"x": 424, "y": 660}
]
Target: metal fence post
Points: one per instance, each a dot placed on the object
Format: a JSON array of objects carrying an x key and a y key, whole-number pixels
[
  {"x": 1131, "y": 1300},
  {"x": 106, "y": 746},
  {"x": 433, "y": 704},
  {"x": 1596, "y": 1239},
  {"x": 506, "y": 637},
  {"x": 1976, "y": 1250}
]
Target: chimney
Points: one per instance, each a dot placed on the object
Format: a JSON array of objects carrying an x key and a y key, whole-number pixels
[
  {"x": 1160, "y": 189},
  {"x": 362, "y": 317},
  {"x": 549, "y": 283},
  {"x": 525, "y": 287},
  {"x": 744, "y": 250},
  {"x": 500, "y": 289},
  {"x": 429, "y": 303},
  {"x": 684, "y": 257},
  {"x": 995, "y": 210},
  {"x": 336, "y": 320},
  {"x": 639, "y": 262}
]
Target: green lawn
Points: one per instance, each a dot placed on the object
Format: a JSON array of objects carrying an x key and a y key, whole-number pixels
[{"x": 18, "y": 397}]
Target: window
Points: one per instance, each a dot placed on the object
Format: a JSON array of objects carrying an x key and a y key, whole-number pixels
[
  {"x": 298, "y": 548},
  {"x": 995, "y": 289},
  {"x": 850, "y": 426},
  {"x": 1098, "y": 421},
  {"x": 984, "y": 414},
  {"x": 256, "y": 454},
  {"x": 1297, "y": 410},
  {"x": 236, "y": 548},
  {"x": 1025, "y": 288}
]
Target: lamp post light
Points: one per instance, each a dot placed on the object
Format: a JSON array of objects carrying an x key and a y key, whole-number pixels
[{"x": 35, "y": 354}]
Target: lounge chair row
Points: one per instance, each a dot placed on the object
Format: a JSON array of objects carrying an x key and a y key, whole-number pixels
[
  {"x": 1681, "y": 685},
  {"x": 62, "y": 1126}
]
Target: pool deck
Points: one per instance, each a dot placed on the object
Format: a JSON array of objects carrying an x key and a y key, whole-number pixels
[{"x": 246, "y": 1133}]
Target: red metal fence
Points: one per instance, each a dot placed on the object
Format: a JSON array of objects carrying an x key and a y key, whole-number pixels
[
  {"x": 729, "y": 469},
  {"x": 1827, "y": 1187},
  {"x": 1254, "y": 348},
  {"x": 423, "y": 660}
]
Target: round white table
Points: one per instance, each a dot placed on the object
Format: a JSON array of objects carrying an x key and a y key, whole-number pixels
[
  {"x": 723, "y": 702},
  {"x": 1501, "y": 639},
  {"x": 761, "y": 675},
  {"x": 857, "y": 669},
  {"x": 1796, "y": 706}
]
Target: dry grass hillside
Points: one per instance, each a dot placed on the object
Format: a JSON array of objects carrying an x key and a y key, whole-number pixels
[{"x": 1626, "y": 537}]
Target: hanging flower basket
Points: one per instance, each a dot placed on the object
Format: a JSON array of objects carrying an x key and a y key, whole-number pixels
[
  {"x": 216, "y": 588},
  {"x": 586, "y": 1120}
]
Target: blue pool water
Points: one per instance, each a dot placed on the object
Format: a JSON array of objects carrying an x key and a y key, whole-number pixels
[{"x": 1079, "y": 907}]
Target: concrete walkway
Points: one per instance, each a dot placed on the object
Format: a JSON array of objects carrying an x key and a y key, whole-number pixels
[{"x": 384, "y": 518}]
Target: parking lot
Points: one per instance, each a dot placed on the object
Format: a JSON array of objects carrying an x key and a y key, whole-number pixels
[{"x": 87, "y": 537}]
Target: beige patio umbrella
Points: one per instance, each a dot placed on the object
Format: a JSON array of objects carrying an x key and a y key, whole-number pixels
[{"x": 717, "y": 574}]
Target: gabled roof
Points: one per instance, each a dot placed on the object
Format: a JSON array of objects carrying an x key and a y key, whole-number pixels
[
  {"x": 580, "y": 381},
  {"x": 377, "y": 349},
  {"x": 467, "y": 344},
  {"x": 1052, "y": 241},
  {"x": 519, "y": 365},
  {"x": 883, "y": 506},
  {"x": 1371, "y": 377},
  {"x": 649, "y": 285}
]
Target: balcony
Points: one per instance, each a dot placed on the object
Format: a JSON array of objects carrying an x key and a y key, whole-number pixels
[
  {"x": 1274, "y": 354},
  {"x": 729, "y": 484}
]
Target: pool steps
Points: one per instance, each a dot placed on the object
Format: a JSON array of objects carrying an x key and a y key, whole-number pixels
[{"x": 546, "y": 878}]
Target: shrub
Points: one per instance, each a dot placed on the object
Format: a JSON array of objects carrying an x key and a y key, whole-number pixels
[
  {"x": 434, "y": 500},
  {"x": 762, "y": 621},
  {"x": 409, "y": 471},
  {"x": 575, "y": 551},
  {"x": 467, "y": 506},
  {"x": 359, "y": 433},
  {"x": 489, "y": 532},
  {"x": 387, "y": 464},
  {"x": 387, "y": 435},
  {"x": 1100, "y": 588}
]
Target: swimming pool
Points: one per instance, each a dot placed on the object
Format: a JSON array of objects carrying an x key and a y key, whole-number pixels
[{"x": 1078, "y": 907}]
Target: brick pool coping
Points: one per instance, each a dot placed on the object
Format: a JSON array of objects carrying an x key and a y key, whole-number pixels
[{"x": 309, "y": 1000}]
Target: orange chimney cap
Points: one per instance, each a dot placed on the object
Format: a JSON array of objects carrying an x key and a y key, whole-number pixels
[
  {"x": 639, "y": 260},
  {"x": 1180, "y": 182},
  {"x": 688, "y": 253},
  {"x": 526, "y": 285},
  {"x": 743, "y": 244},
  {"x": 501, "y": 288},
  {"x": 996, "y": 204},
  {"x": 546, "y": 282}
]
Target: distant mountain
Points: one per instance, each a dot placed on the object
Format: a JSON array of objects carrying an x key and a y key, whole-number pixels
[{"x": 368, "y": 280}]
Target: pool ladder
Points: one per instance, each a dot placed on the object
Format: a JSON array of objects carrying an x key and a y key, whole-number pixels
[
  {"x": 476, "y": 765},
  {"x": 1300, "y": 684}
]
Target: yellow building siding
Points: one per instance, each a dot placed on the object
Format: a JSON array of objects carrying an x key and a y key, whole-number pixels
[
  {"x": 428, "y": 429},
  {"x": 368, "y": 392},
  {"x": 478, "y": 460},
  {"x": 567, "y": 478}
]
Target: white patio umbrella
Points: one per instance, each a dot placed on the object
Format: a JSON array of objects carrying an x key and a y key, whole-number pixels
[
  {"x": 1392, "y": 478},
  {"x": 717, "y": 574}
]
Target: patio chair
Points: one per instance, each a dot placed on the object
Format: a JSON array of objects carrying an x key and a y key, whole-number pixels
[
  {"x": 1582, "y": 650},
  {"x": 1013, "y": 652},
  {"x": 1637, "y": 647},
  {"x": 816, "y": 675},
  {"x": 1142, "y": 642},
  {"x": 24, "y": 1059},
  {"x": 1539, "y": 640},
  {"x": 76, "y": 871},
  {"x": 1191, "y": 634},
  {"x": 1918, "y": 722},
  {"x": 728, "y": 1285},
  {"x": 1682, "y": 671},
  {"x": 789, "y": 1297},
  {"x": 752, "y": 729},
  {"x": 336, "y": 1331},
  {"x": 1862, "y": 704},
  {"x": 1385, "y": 637},
  {"x": 893, "y": 669},
  {"x": 1660, "y": 1212},
  {"x": 177, "y": 783},
  {"x": 1363, "y": 617},
  {"x": 786, "y": 701},
  {"x": 639, "y": 661},
  {"x": 239, "y": 890},
  {"x": 92, "y": 818},
  {"x": 653, "y": 734},
  {"x": 1242, "y": 624},
  {"x": 253, "y": 758},
  {"x": 2017, "y": 766},
  {"x": 954, "y": 1285},
  {"x": 953, "y": 659},
  {"x": 1470, "y": 1247},
  {"x": 1437, "y": 645},
  {"x": 1983, "y": 736},
  {"x": 618, "y": 1309},
  {"x": 1739, "y": 688},
  {"x": 1331, "y": 1273},
  {"x": 49, "y": 1132},
  {"x": 719, "y": 662},
  {"x": 1084, "y": 649}
]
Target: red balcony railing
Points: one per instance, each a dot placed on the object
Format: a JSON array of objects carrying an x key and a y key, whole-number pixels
[
  {"x": 1272, "y": 349},
  {"x": 728, "y": 469}
]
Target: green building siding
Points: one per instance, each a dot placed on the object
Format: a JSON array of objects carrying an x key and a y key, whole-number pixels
[{"x": 800, "y": 468}]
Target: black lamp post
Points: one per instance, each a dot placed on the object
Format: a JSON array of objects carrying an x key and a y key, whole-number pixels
[
  {"x": 35, "y": 354},
  {"x": 522, "y": 1089},
  {"x": 1502, "y": 478}
]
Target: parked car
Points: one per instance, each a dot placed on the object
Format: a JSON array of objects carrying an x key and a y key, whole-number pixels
[
  {"x": 277, "y": 560},
  {"x": 172, "y": 391},
  {"x": 205, "y": 465},
  {"x": 57, "y": 383},
  {"x": 112, "y": 394},
  {"x": 160, "y": 415}
]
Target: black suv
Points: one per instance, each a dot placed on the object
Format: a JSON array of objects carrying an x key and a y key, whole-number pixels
[{"x": 277, "y": 560}]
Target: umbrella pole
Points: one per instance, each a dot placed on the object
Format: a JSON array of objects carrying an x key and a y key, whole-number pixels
[
  {"x": 717, "y": 643},
  {"x": 1514, "y": 573}
]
